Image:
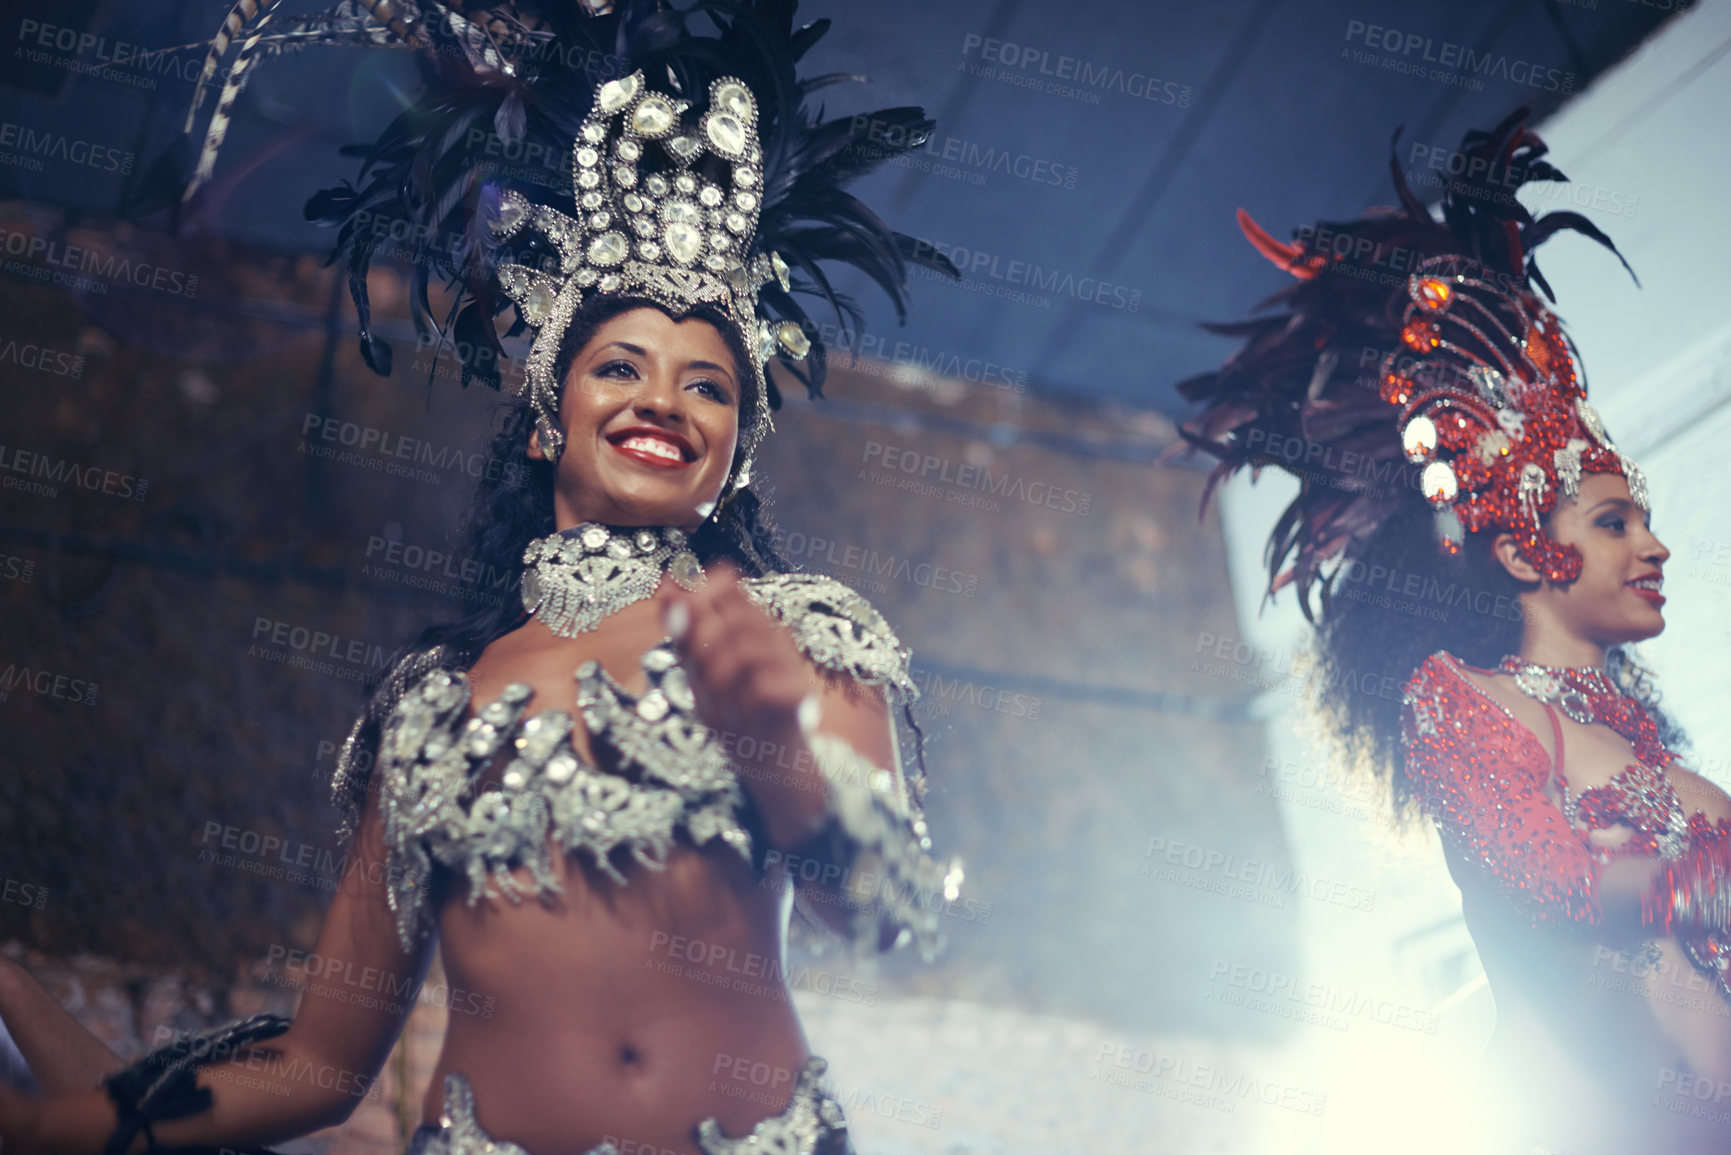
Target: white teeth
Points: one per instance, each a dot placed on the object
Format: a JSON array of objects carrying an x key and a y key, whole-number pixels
[{"x": 653, "y": 445}]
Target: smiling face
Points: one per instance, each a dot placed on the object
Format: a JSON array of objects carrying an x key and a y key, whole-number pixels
[
  {"x": 650, "y": 415},
  {"x": 1617, "y": 598}
]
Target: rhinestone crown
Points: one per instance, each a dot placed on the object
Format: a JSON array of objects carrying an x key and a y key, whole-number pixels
[{"x": 653, "y": 223}]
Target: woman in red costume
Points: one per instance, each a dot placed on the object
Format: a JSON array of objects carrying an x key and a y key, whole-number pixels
[{"x": 1458, "y": 461}]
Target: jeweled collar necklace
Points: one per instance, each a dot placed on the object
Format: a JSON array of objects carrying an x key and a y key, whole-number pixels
[
  {"x": 1588, "y": 695},
  {"x": 575, "y": 578}
]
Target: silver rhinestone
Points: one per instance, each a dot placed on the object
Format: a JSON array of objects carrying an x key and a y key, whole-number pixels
[
  {"x": 607, "y": 249},
  {"x": 538, "y": 303},
  {"x": 510, "y": 212},
  {"x": 616, "y": 94},
  {"x": 678, "y": 690},
  {"x": 684, "y": 242},
  {"x": 733, "y": 97},
  {"x": 726, "y": 133},
  {"x": 653, "y": 115}
]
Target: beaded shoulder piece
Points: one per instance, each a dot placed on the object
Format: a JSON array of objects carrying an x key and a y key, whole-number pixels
[{"x": 838, "y": 630}]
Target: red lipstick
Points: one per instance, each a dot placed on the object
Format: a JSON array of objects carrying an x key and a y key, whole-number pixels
[
  {"x": 652, "y": 446},
  {"x": 1647, "y": 586}
]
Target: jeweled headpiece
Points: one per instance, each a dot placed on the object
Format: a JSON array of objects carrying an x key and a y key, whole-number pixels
[
  {"x": 1492, "y": 406},
  {"x": 564, "y": 151},
  {"x": 668, "y": 232},
  {"x": 1414, "y": 362}
]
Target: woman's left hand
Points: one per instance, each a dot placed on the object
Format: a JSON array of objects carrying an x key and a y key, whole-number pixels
[{"x": 746, "y": 673}]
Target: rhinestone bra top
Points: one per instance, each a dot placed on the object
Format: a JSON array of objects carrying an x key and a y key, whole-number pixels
[
  {"x": 1481, "y": 776},
  {"x": 671, "y": 777}
]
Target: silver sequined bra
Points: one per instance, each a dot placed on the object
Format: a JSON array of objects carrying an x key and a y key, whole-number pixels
[{"x": 672, "y": 776}]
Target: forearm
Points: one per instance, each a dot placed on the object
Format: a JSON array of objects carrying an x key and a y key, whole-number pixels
[
  {"x": 262, "y": 1097},
  {"x": 63, "y": 1056},
  {"x": 869, "y": 870},
  {"x": 788, "y": 790}
]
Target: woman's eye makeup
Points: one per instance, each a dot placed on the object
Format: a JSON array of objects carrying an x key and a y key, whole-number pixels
[
  {"x": 622, "y": 370},
  {"x": 616, "y": 369},
  {"x": 711, "y": 389}
]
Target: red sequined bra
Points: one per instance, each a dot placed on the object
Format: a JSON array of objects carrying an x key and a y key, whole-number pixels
[{"x": 1482, "y": 776}]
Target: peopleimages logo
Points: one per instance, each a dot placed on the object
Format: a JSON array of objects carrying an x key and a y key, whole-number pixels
[
  {"x": 1447, "y": 62},
  {"x": 308, "y": 649},
  {"x": 874, "y": 566},
  {"x": 1090, "y": 78},
  {"x": 108, "y": 266},
  {"x": 36, "y": 146},
  {"x": 46, "y": 684},
  {"x": 42, "y": 359},
  {"x": 93, "y": 55},
  {"x": 978, "y": 266},
  {"x": 54, "y": 472},
  {"x": 965, "y": 478},
  {"x": 896, "y": 143}
]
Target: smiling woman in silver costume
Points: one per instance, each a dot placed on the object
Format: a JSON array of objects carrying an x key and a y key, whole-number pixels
[{"x": 668, "y": 722}]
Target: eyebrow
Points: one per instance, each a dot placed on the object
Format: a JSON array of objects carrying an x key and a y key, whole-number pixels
[{"x": 1617, "y": 502}]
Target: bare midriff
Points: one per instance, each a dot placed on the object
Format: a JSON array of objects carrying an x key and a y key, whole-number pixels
[{"x": 624, "y": 1012}]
